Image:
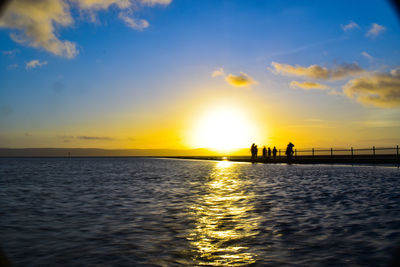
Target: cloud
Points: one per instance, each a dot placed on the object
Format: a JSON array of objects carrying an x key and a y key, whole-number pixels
[
  {"x": 241, "y": 80},
  {"x": 350, "y": 26},
  {"x": 102, "y": 4},
  {"x": 317, "y": 72},
  {"x": 308, "y": 85},
  {"x": 378, "y": 89},
  {"x": 10, "y": 53},
  {"x": 138, "y": 24},
  {"x": 69, "y": 138},
  {"x": 156, "y": 2},
  {"x": 365, "y": 54},
  {"x": 12, "y": 66},
  {"x": 375, "y": 30},
  {"x": 218, "y": 72},
  {"x": 334, "y": 92},
  {"x": 35, "y": 63},
  {"x": 94, "y": 138},
  {"x": 36, "y": 21}
]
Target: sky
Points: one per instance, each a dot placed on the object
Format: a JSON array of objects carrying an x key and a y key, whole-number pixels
[{"x": 179, "y": 74}]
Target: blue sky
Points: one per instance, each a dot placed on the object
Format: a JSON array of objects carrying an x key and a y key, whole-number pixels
[{"x": 147, "y": 77}]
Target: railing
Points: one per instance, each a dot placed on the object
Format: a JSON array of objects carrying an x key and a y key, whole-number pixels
[{"x": 373, "y": 153}]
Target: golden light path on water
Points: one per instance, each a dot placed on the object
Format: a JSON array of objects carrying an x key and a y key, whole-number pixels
[{"x": 225, "y": 221}]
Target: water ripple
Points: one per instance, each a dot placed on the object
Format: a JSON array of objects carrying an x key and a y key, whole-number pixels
[{"x": 158, "y": 212}]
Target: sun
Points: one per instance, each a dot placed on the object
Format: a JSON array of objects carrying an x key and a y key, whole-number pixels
[{"x": 223, "y": 129}]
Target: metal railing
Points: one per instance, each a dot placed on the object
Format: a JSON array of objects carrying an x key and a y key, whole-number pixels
[{"x": 343, "y": 153}]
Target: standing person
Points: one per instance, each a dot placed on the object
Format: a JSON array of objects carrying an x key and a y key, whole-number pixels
[
  {"x": 269, "y": 152},
  {"x": 264, "y": 153},
  {"x": 289, "y": 151},
  {"x": 255, "y": 151},
  {"x": 274, "y": 152},
  {"x": 252, "y": 149}
]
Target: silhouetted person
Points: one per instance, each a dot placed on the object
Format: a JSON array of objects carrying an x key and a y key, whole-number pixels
[
  {"x": 274, "y": 152},
  {"x": 256, "y": 152},
  {"x": 253, "y": 152},
  {"x": 264, "y": 152},
  {"x": 289, "y": 151},
  {"x": 269, "y": 152}
]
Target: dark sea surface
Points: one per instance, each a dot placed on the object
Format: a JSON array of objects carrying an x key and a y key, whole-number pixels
[{"x": 165, "y": 212}]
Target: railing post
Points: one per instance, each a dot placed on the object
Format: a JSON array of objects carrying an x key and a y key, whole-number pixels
[
  {"x": 352, "y": 154},
  {"x": 331, "y": 153},
  {"x": 295, "y": 153},
  {"x": 313, "y": 153},
  {"x": 279, "y": 154},
  {"x": 373, "y": 152}
]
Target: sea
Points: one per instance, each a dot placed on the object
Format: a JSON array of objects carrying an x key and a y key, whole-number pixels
[{"x": 176, "y": 212}]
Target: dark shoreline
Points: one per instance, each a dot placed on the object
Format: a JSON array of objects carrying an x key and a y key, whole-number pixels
[{"x": 378, "y": 160}]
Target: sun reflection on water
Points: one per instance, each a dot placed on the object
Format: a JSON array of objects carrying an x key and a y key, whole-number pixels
[{"x": 225, "y": 222}]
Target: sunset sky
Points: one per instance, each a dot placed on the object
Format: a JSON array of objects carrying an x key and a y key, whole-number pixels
[{"x": 187, "y": 74}]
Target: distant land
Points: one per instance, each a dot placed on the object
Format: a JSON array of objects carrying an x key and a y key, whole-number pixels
[{"x": 98, "y": 152}]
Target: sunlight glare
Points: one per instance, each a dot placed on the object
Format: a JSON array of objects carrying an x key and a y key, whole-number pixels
[{"x": 224, "y": 129}]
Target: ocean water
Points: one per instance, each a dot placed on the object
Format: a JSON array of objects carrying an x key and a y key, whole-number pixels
[{"x": 165, "y": 212}]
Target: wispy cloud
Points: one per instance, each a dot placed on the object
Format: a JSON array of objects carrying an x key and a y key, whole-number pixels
[
  {"x": 375, "y": 30},
  {"x": 138, "y": 24},
  {"x": 379, "y": 123},
  {"x": 12, "y": 66},
  {"x": 10, "y": 53},
  {"x": 218, "y": 72},
  {"x": 308, "y": 85},
  {"x": 94, "y": 138},
  {"x": 156, "y": 2},
  {"x": 378, "y": 89},
  {"x": 317, "y": 72},
  {"x": 241, "y": 80},
  {"x": 350, "y": 26},
  {"x": 37, "y": 21},
  {"x": 68, "y": 138},
  {"x": 365, "y": 54},
  {"x": 34, "y": 64}
]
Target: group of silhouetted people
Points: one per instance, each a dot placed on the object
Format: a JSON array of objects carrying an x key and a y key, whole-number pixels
[{"x": 267, "y": 152}]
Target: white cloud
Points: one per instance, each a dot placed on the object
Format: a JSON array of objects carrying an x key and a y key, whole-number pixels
[
  {"x": 350, "y": 26},
  {"x": 36, "y": 21},
  {"x": 375, "y": 30},
  {"x": 138, "y": 24},
  {"x": 34, "y": 64},
  {"x": 218, "y": 72}
]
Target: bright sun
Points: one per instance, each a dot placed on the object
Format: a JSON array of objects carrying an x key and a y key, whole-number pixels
[{"x": 223, "y": 129}]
